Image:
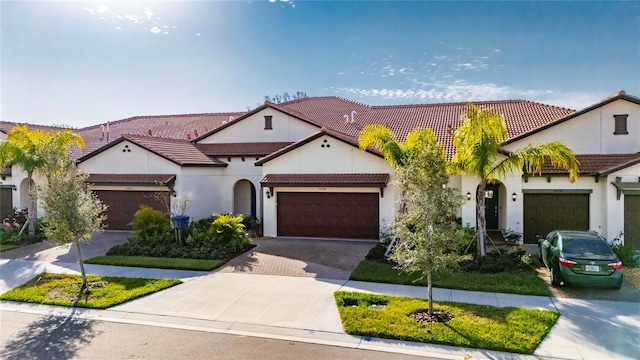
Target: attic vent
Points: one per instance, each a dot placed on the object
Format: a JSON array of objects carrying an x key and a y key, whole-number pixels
[
  {"x": 621, "y": 124},
  {"x": 268, "y": 122}
]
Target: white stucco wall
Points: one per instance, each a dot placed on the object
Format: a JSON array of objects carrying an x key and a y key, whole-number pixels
[
  {"x": 251, "y": 129},
  {"x": 592, "y": 132},
  {"x": 339, "y": 157},
  {"x": 137, "y": 161}
]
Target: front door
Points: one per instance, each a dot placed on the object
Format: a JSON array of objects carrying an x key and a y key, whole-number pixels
[{"x": 491, "y": 202}]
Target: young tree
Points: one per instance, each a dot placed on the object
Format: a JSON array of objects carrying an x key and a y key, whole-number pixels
[
  {"x": 429, "y": 238},
  {"x": 478, "y": 141},
  {"x": 74, "y": 213},
  {"x": 32, "y": 150}
]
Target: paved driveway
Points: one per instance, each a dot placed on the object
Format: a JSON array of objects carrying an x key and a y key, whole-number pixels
[
  {"x": 627, "y": 293},
  {"x": 315, "y": 258}
]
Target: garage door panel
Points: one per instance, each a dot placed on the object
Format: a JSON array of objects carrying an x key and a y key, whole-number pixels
[
  {"x": 546, "y": 212},
  {"x": 122, "y": 206},
  {"x": 339, "y": 215},
  {"x": 632, "y": 220}
]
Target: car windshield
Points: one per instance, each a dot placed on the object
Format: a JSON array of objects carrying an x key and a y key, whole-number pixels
[{"x": 579, "y": 246}]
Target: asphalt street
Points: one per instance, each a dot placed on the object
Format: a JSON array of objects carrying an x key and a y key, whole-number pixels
[{"x": 31, "y": 336}]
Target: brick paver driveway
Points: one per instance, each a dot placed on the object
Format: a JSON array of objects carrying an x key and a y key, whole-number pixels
[{"x": 317, "y": 258}]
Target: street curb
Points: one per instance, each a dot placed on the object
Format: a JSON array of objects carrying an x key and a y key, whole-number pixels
[{"x": 265, "y": 331}]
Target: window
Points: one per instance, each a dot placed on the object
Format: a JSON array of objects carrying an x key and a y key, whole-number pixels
[
  {"x": 267, "y": 122},
  {"x": 621, "y": 124}
]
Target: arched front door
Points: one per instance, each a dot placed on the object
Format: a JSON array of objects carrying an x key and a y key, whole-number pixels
[{"x": 244, "y": 198}]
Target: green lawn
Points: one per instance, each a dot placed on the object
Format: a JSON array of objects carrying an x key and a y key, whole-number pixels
[
  {"x": 156, "y": 262},
  {"x": 513, "y": 283},
  {"x": 633, "y": 275},
  {"x": 508, "y": 329},
  {"x": 7, "y": 247},
  {"x": 105, "y": 291}
]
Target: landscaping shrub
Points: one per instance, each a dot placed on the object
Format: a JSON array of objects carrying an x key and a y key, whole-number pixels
[
  {"x": 377, "y": 254},
  {"x": 517, "y": 261},
  {"x": 253, "y": 226},
  {"x": 148, "y": 221},
  {"x": 625, "y": 253},
  {"x": 229, "y": 231}
]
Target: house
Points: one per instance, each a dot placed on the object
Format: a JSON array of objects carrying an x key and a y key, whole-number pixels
[{"x": 297, "y": 166}]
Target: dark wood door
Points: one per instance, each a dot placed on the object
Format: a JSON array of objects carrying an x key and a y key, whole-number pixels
[
  {"x": 632, "y": 220},
  {"x": 329, "y": 215},
  {"x": 6, "y": 202},
  {"x": 546, "y": 212},
  {"x": 491, "y": 205},
  {"x": 122, "y": 205}
]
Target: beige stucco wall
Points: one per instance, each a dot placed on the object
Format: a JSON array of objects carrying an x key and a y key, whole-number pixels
[
  {"x": 339, "y": 157},
  {"x": 592, "y": 132},
  {"x": 251, "y": 129}
]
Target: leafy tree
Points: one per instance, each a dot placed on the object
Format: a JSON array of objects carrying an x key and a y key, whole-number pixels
[
  {"x": 36, "y": 150},
  {"x": 478, "y": 141},
  {"x": 74, "y": 213},
  {"x": 428, "y": 236}
]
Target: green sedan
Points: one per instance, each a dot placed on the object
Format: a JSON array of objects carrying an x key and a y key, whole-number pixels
[{"x": 580, "y": 258}]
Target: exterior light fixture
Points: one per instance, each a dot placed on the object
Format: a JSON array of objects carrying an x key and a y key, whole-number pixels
[
  {"x": 514, "y": 196},
  {"x": 268, "y": 194},
  {"x": 468, "y": 195}
]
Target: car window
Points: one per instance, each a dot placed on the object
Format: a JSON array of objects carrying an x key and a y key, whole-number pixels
[{"x": 579, "y": 246}]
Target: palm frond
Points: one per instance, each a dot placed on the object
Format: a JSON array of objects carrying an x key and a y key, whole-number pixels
[{"x": 532, "y": 158}]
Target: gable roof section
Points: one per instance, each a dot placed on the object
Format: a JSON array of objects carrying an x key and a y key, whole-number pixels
[
  {"x": 620, "y": 95},
  {"x": 5, "y": 126},
  {"x": 597, "y": 164},
  {"x": 521, "y": 116},
  {"x": 266, "y": 105},
  {"x": 180, "y": 152},
  {"x": 333, "y": 180},
  {"x": 241, "y": 149},
  {"x": 181, "y": 127},
  {"x": 132, "y": 179},
  {"x": 324, "y": 131}
]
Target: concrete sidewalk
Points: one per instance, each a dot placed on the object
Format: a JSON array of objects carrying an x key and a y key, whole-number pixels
[{"x": 303, "y": 309}]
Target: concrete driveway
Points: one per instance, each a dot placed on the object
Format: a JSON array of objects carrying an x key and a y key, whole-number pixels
[{"x": 315, "y": 258}]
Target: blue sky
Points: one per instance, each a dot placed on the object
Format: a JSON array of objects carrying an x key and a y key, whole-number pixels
[{"x": 84, "y": 63}]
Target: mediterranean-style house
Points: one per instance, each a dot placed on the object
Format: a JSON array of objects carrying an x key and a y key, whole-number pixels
[{"x": 297, "y": 166}]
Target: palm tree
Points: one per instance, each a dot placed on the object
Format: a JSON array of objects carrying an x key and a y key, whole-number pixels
[
  {"x": 36, "y": 150},
  {"x": 478, "y": 141},
  {"x": 395, "y": 152}
]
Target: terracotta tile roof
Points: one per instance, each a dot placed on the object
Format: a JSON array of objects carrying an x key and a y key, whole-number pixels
[
  {"x": 323, "y": 131},
  {"x": 335, "y": 180},
  {"x": 183, "y": 127},
  {"x": 521, "y": 116},
  {"x": 597, "y": 164},
  {"x": 181, "y": 152},
  {"x": 241, "y": 149},
  {"x": 131, "y": 179},
  {"x": 5, "y": 126}
]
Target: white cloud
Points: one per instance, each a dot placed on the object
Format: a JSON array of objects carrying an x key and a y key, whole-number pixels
[
  {"x": 118, "y": 28},
  {"x": 148, "y": 13},
  {"x": 155, "y": 30},
  {"x": 136, "y": 19}
]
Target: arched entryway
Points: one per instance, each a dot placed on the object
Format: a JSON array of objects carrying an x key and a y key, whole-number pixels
[
  {"x": 244, "y": 198},
  {"x": 24, "y": 194}
]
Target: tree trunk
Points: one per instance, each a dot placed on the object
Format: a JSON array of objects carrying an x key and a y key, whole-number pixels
[
  {"x": 31, "y": 207},
  {"x": 481, "y": 219},
  {"x": 430, "y": 292},
  {"x": 81, "y": 263}
]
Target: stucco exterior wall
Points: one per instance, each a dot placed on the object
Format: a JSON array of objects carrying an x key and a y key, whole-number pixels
[
  {"x": 614, "y": 206},
  {"x": 251, "y": 129},
  {"x": 137, "y": 161},
  {"x": 592, "y": 132},
  {"x": 339, "y": 157}
]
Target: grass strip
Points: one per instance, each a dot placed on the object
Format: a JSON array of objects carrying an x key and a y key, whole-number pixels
[
  {"x": 104, "y": 291},
  {"x": 156, "y": 262},
  {"x": 510, "y": 329},
  {"x": 511, "y": 283},
  {"x": 7, "y": 247}
]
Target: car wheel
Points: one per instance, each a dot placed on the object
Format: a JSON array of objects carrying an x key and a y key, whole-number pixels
[{"x": 555, "y": 280}]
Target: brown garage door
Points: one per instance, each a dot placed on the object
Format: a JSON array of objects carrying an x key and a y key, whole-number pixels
[
  {"x": 546, "y": 212},
  {"x": 334, "y": 215},
  {"x": 122, "y": 205},
  {"x": 632, "y": 220}
]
